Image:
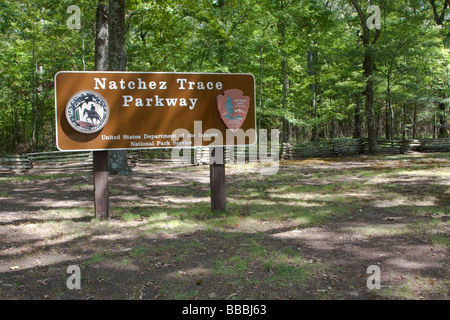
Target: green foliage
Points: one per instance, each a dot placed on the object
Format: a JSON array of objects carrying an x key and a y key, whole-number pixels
[
  {"x": 35, "y": 44},
  {"x": 249, "y": 36}
]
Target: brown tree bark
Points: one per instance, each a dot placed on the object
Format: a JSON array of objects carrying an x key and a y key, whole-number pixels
[
  {"x": 439, "y": 18},
  {"x": 117, "y": 61},
  {"x": 357, "y": 130},
  {"x": 101, "y": 37},
  {"x": 117, "y": 53},
  {"x": 443, "y": 132},
  {"x": 369, "y": 69}
]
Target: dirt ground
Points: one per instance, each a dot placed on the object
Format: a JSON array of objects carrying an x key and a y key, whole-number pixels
[{"x": 309, "y": 232}]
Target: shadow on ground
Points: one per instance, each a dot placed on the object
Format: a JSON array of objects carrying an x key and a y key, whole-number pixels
[{"x": 309, "y": 232}]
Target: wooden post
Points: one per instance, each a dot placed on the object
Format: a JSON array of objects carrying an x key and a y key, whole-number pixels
[
  {"x": 217, "y": 180},
  {"x": 100, "y": 158},
  {"x": 101, "y": 192}
]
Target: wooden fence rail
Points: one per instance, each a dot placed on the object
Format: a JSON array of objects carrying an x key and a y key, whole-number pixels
[
  {"x": 15, "y": 163},
  {"x": 323, "y": 149},
  {"x": 435, "y": 145},
  {"x": 82, "y": 161},
  {"x": 61, "y": 160}
]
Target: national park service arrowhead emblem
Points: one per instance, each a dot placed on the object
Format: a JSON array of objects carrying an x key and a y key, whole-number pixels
[
  {"x": 87, "y": 112},
  {"x": 233, "y": 108}
]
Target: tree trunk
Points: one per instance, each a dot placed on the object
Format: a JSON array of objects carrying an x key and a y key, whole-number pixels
[
  {"x": 260, "y": 85},
  {"x": 414, "y": 133},
  {"x": 369, "y": 69},
  {"x": 117, "y": 61},
  {"x": 284, "y": 101},
  {"x": 101, "y": 38},
  {"x": 357, "y": 132},
  {"x": 34, "y": 93},
  {"x": 117, "y": 54},
  {"x": 387, "y": 129},
  {"x": 313, "y": 88},
  {"x": 284, "y": 84},
  {"x": 387, "y": 111},
  {"x": 440, "y": 20},
  {"x": 443, "y": 133},
  {"x": 435, "y": 124},
  {"x": 404, "y": 128},
  {"x": 282, "y": 43},
  {"x": 391, "y": 109}
]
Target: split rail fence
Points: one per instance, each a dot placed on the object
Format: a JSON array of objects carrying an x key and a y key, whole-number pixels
[{"x": 82, "y": 161}]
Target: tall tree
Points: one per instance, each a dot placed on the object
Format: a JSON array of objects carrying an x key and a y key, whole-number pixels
[
  {"x": 369, "y": 70},
  {"x": 440, "y": 20},
  {"x": 117, "y": 61},
  {"x": 101, "y": 37}
]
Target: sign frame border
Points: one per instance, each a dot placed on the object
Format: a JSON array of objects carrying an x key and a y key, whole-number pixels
[{"x": 157, "y": 148}]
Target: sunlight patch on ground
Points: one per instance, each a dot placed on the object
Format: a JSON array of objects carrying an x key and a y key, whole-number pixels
[
  {"x": 405, "y": 201},
  {"x": 381, "y": 230},
  {"x": 33, "y": 262},
  {"x": 108, "y": 237},
  {"x": 409, "y": 265},
  {"x": 315, "y": 237},
  {"x": 239, "y": 201},
  {"x": 184, "y": 199},
  {"x": 174, "y": 226},
  {"x": 413, "y": 286},
  {"x": 298, "y": 198},
  {"x": 194, "y": 272}
]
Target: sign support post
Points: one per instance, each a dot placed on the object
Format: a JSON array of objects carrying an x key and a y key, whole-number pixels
[
  {"x": 217, "y": 180},
  {"x": 101, "y": 191}
]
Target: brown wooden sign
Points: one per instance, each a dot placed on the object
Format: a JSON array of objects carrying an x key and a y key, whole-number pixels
[{"x": 141, "y": 110}]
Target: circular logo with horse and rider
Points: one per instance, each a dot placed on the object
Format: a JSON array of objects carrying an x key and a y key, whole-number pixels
[{"x": 87, "y": 112}]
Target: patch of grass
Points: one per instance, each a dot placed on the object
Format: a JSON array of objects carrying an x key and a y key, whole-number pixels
[
  {"x": 4, "y": 194},
  {"x": 95, "y": 259},
  {"x": 176, "y": 190},
  {"x": 255, "y": 250},
  {"x": 75, "y": 212},
  {"x": 225, "y": 222},
  {"x": 126, "y": 261},
  {"x": 282, "y": 267},
  {"x": 367, "y": 173},
  {"x": 330, "y": 293},
  {"x": 128, "y": 216},
  {"x": 440, "y": 240},
  {"x": 33, "y": 177},
  {"x": 234, "y": 266},
  {"x": 437, "y": 155},
  {"x": 181, "y": 248},
  {"x": 288, "y": 266},
  {"x": 422, "y": 226},
  {"x": 174, "y": 226},
  {"x": 138, "y": 252},
  {"x": 431, "y": 210},
  {"x": 82, "y": 186},
  {"x": 238, "y": 264},
  {"x": 220, "y": 267},
  {"x": 415, "y": 287}
]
